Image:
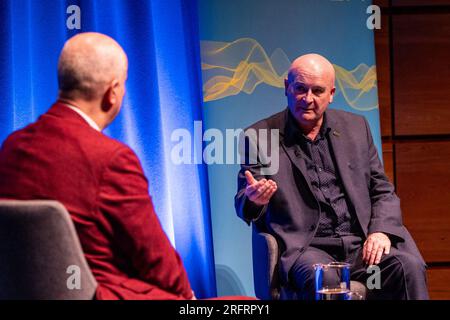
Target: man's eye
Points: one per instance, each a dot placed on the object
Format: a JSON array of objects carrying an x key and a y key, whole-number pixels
[
  {"x": 300, "y": 89},
  {"x": 318, "y": 91}
]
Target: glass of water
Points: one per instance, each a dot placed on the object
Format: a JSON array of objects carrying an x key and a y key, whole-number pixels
[{"x": 332, "y": 281}]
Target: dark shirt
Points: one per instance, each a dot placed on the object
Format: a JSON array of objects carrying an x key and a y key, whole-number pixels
[{"x": 336, "y": 217}]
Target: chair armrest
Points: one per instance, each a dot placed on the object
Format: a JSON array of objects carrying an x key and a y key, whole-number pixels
[
  {"x": 265, "y": 270},
  {"x": 265, "y": 260}
]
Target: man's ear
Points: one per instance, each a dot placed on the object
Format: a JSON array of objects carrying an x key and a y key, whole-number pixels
[
  {"x": 286, "y": 86},
  {"x": 111, "y": 95},
  {"x": 332, "y": 94}
]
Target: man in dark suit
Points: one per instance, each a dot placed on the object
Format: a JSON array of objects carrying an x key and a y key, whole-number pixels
[
  {"x": 329, "y": 199},
  {"x": 64, "y": 156}
]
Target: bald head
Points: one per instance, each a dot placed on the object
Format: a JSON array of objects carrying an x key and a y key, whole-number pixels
[
  {"x": 312, "y": 64},
  {"x": 309, "y": 89},
  {"x": 88, "y": 63}
]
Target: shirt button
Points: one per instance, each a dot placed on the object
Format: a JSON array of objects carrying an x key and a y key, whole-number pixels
[{"x": 320, "y": 169}]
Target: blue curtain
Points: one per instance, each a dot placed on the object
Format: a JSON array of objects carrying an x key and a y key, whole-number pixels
[{"x": 163, "y": 94}]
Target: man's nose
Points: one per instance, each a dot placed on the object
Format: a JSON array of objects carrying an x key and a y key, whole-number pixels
[{"x": 308, "y": 96}]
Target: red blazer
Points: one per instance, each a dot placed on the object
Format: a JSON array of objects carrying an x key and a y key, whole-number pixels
[{"x": 101, "y": 183}]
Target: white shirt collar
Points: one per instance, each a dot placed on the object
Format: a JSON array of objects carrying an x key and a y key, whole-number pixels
[{"x": 85, "y": 117}]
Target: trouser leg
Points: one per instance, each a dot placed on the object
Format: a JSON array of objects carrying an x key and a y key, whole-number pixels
[
  {"x": 402, "y": 276},
  {"x": 302, "y": 273}
]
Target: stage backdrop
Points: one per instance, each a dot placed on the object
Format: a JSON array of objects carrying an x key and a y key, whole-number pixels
[
  {"x": 246, "y": 49},
  {"x": 163, "y": 94}
]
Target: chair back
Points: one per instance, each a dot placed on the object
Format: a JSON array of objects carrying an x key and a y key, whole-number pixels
[
  {"x": 265, "y": 269},
  {"x": 265, "y": 259},
  {"x": 40, "y": 253}
]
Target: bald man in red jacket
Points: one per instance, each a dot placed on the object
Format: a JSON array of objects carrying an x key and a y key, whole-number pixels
[{"x": 64, "y": 156}]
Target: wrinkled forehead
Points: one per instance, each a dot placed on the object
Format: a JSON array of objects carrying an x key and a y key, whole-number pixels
[{"x": 311, "y": 76}]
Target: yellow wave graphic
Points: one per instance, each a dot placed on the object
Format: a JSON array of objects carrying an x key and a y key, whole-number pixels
[{"x": 229, "y": 68}]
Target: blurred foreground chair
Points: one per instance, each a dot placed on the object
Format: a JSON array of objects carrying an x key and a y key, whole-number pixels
[
  {"x": 265, "y": 269},
  {"x": 40, "y": 253}
]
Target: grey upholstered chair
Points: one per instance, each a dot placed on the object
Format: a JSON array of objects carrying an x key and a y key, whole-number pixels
[
  {"x": 265, "y": 269},
  {"x": 40, "y": 253}
]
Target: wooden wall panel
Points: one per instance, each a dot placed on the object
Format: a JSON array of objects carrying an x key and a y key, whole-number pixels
[
  {"x": 402, "y": 3},
  {"x": 418, "y": 106},
  {"x": 439, "y": 283},
  {"x": 384, "y": 76},
  {"x": 421, "y": 55},
  {"x": 388, "y": 160},
  {"x": 423, "y": 177},
  {"x": 381, "y": 3}
]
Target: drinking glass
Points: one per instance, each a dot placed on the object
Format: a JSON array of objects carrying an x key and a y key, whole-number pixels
[{"x": 333, "y": 281}]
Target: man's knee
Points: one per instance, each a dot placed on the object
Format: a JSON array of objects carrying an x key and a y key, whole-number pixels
[
  {"x": 303, "y": 276},
  {"x": 303, "y": 272},
  {"x": 408, "y": 264},
  {"x": 404, "y": 276}
]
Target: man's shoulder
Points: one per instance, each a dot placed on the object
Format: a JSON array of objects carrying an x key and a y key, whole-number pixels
[
  {"x": 111, "y": 146},
  {"x": 104, "y": 147},
  {"x": 342, "y": 115},
  {"x": 91, "y": 140},
  {"x": 275, "y": 121},
  {"x": 345, "y": 120},
  {"x": 77, "y": 138}
]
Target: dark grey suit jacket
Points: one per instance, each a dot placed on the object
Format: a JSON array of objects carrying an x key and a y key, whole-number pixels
[{"x": 292, "y": 214}]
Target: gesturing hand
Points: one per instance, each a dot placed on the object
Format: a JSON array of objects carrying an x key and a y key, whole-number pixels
[
  {"x": 376, "y": 244},
  {"x": 259, "y": 192}
]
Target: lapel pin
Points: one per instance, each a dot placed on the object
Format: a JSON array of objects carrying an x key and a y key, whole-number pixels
[{"x": 336, "y": 133}]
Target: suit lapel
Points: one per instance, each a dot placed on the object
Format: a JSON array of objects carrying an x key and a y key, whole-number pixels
[
  {"x": 293, "y": 152},
  {"x": 342, "y": 151},
  {"x": 297, "y": 159}
]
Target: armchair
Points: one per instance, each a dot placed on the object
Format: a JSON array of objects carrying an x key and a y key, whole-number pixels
[
  {"x": 265, "y": 269},
  {"x": 38, "y": 244}
]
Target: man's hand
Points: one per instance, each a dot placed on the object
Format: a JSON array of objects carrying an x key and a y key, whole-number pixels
[
  {"x": 259, "y": 192},
  {"x": 376, "y": 244}
]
